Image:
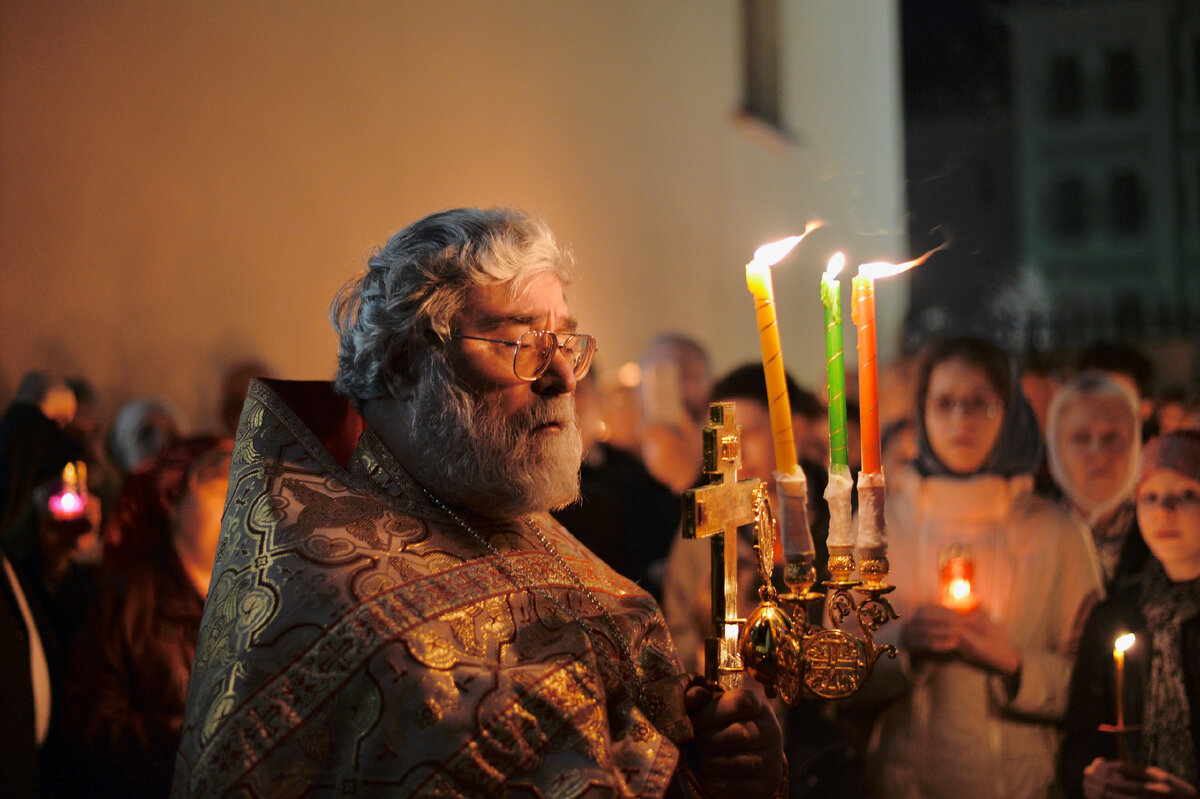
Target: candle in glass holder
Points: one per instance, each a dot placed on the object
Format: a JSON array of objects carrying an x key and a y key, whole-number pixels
[
  {"x": 71, "y": 499},
  {"x": 956, "y": 571}
]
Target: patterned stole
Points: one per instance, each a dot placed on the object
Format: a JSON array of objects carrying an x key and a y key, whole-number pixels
[{"x": 1168, "y": 722}]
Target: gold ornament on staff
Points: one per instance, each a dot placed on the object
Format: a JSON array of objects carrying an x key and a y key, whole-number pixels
[{"x": 777, "y": 644}]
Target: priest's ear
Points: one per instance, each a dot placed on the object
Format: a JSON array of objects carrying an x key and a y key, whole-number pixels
[{"x": 401, "y": 366}]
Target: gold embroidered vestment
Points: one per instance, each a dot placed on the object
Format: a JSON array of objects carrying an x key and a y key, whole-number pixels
[{"x": 357, "y": 642}]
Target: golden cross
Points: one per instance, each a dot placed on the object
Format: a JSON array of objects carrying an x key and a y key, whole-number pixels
[{"x": 715, "y": 511}]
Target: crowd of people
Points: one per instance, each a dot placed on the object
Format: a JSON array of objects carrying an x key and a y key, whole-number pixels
[{"x": 457, "y": 570}]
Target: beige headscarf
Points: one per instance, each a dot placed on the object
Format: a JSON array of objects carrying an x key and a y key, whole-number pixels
[{"x": 1088, "y": 385}]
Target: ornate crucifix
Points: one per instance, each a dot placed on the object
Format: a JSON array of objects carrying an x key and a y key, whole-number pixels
[{"x": 715, "y": 511}]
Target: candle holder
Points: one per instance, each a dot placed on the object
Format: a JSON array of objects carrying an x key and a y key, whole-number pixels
[
  {"x": 779, "y": 643},
  {"x": 956, "y": 578}
]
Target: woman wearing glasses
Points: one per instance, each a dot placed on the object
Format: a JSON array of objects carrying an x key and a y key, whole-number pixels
[
  {"x": 992, "y": 583},
  {"x": 1094, "y": 443}
]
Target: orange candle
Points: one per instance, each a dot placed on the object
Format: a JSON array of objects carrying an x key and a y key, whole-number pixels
[{"x": 862, "y": 310}]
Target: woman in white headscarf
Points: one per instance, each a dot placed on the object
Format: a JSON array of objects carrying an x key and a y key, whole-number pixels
[{"x": 1093, "y": 438}]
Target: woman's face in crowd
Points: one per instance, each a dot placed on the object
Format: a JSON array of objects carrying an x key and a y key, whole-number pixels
[
  {"x": 1094, "y": 438},
  {"x": 200, "y": 509},
  {"x": 963, "y": 415},
  {"x": 1168, "y": 513}
]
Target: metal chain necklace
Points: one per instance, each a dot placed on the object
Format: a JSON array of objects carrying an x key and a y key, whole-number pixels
[{"x": 627, "y": 671}]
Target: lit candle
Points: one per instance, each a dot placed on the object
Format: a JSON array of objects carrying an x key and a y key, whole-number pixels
[
  {"x": 863, "y": 313},
  {"x": 758, "y": 280},
  {"x": 70, "y": 500},
  {"x": 1119, "y": 646},
  {"x": 837, "y": 490},
  {"x": 831, "y": 298},
  {"x": 957, "y": 575}
]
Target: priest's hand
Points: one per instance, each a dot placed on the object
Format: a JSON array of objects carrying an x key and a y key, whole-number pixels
[
  {"x": 935, "y": 630},
  {"x": 738, "y": 748},
  {"x": 1111, "y": 779}
]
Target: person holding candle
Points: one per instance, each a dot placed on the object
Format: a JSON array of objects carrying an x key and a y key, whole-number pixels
[
  {"x": 974, "y": 697},
  {"x": 1161, "y": 672},
  {"x": 393, "y": 610},
  {"x": 127, "y": 679}
]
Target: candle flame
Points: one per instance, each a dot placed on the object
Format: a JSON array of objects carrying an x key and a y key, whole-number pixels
[
  {"x": 837, "y": 262},
  {"x": 773, "y": 253},
  {"x": 1123, "y": 643},
  {"x": 960, "y": 589},
  {"x": 878, "y": 269}
]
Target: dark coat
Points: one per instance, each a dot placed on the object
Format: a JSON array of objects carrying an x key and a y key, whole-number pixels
[{"x": 1093, "y": 685}]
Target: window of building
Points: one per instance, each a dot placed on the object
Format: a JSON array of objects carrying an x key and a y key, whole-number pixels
[
  {"x": 1122, "y": 81},
  {"x": 1068, "y": 211},
  {"x": 1065, "y": 97},
  {"x": 760, "y": 56},
  {"x": 1128, "y": 203}
]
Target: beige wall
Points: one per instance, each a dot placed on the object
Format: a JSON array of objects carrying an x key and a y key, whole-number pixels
[{"x": 186, "y": 184}]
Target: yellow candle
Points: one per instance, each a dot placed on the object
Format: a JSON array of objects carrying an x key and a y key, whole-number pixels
[{"x": 758, "y": 280}]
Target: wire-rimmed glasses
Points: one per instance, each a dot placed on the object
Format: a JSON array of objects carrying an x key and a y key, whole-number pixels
[{"x": 534, "y": 350}]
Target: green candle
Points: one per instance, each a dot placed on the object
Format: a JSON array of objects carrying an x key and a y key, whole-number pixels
[{"x": 831, "y": 298}]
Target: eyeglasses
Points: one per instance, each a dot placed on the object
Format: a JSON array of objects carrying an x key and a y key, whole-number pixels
[
  {"x": 534, "y": 351},
  {"x": 971, "y": 407}
]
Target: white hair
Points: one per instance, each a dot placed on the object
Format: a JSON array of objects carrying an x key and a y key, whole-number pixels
[{"x": 393, "y": 319}]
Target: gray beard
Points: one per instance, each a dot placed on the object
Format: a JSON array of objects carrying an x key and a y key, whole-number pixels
[{"x": 473, "y": 456}]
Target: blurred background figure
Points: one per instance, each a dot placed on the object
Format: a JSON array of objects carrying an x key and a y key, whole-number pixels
[
  {"x": 1177, "y": 409},
  {"x": 234, "y": 384},
  {"x": 130, "y": 664},
  {"x": 973, "y": 701},
  {"x": 897, "y": 448},
  {"x": 87, "y": 429},
  {"x": 624, "y": 515},
  {"x": 1127, "y": 364},
  {"x": 676, "y": 379},
  {"x": 1094, "y": 441},
  {"x": 33, "y": 445},
  {"x": 1040, "y": 380},
  {"x": 810, "y": 426},
  {"x": 1161, "y": 674},
  {"x": 141, "y": 429}
]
